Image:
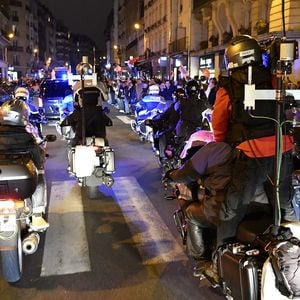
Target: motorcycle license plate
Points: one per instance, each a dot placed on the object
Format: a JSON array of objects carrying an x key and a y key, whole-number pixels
[
  {"x": 7, "y": 222},
  {"x": 7, "y": 216}
]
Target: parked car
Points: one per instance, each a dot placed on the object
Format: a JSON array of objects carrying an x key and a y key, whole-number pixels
[
  {"x": 4, "y": 96},
  {"x": 57, "y": 97}
]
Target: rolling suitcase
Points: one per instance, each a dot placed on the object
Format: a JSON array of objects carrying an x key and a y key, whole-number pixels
[{"x": 239, "y": 270}]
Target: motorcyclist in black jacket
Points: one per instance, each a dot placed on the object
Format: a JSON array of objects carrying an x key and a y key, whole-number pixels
[
  {"x": 91, "y": 113},
  {"x": 190, "y": 110},
  {"x": 202, "y": 183}
]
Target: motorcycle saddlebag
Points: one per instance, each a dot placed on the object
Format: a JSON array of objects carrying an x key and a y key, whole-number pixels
[
  {"x": 239, "y": 272},
  {"x": 18, "y": 178}
]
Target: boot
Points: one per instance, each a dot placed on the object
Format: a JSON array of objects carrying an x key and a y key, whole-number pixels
[
  {"x": 288, "y": 214},
  {"x": 211, "y": 272},
  {"x": 200, "y": 265},
  {"x": 195, "y": 243},
  {"x": 38, "y": 223},
  {"x": 196, "y": 249}
]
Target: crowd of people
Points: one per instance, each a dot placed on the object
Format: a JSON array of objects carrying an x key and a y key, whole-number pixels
[
  {"x": 124, "y": 94},
  {"x": 231, "y": 169},
  {"x": 237, "y": 167}
]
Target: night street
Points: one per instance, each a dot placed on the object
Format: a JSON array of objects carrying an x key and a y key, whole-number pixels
[{"x": 121, "y": 245}]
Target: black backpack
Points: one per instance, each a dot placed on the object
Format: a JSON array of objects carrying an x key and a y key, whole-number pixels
[{"x": 284, "y": 253}]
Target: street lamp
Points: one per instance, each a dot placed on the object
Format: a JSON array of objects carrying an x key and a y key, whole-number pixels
[
  {"x": 10, "y": 37},
  {"x": 137, "y": 27}
]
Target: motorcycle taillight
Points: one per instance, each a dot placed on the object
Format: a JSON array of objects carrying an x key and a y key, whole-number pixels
[{"x": 9, "y": 203}]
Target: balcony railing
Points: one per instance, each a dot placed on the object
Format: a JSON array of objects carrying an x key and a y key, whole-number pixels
[
  {"x": 178, "y": 45},
  {"x": 15, "y": 3},
  {"x": 15, "y": 18},
  {"x": 199, "y": 3},
  {"x": 16, "y": 48}
]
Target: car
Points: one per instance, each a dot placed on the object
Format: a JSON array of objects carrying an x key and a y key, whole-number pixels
[
  {"x": 57, "y": 97},
  {"x": 4, "y": 96}
]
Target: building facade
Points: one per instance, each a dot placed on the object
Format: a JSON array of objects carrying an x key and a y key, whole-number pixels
[
  {"x": 188, "y": 37},
  {"x": 33, "y": 42}
]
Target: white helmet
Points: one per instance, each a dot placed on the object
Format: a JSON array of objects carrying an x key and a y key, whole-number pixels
[
  {"x": 22, "y": 93},
  {"x": 14, "y": 112},
  {"x": 154, "y": 89}
]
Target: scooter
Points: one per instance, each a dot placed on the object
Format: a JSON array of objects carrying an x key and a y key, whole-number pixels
[{"x": 19, "y": 178}]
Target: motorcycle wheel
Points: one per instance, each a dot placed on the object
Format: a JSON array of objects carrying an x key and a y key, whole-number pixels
[
  {"x": 133, "y": 126},
  {"x": 92, "y": 192},
  {"x": 12, "y": 260}
]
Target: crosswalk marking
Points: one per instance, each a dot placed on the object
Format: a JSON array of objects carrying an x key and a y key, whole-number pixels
[
  {"x": 66, "y": 247},
  {"x": 124, "y": 119},
  {"x": 149, "y": 232}
]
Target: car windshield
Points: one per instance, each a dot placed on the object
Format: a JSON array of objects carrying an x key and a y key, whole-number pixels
[{"x": 54, "y": 89}]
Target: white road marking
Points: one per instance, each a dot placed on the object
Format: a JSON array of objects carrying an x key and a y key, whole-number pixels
[
  {"x": 149, "y": 232},
  {"x": 66, "y": 247},
  {"x": 124, "y": 119}
]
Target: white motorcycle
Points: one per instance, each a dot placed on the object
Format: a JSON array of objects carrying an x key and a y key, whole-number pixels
[
  {"x": 19, "y": 179},
  {"x": 92, "y": 164},
  {"x": 138, "y": 125}
]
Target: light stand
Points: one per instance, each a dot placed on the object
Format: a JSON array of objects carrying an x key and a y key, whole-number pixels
[{"x": 284, "y": 66}]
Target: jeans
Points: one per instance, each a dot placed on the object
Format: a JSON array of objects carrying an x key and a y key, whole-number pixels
[{"x": 247, "y": 175}]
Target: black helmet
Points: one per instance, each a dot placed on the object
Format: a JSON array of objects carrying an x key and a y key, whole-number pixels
[
  {"x": 192, "y": 88},
  {"x": 179, "y": 94},
  {"x": 243, "y": 50},
  {"x": 14, "y": 112}
]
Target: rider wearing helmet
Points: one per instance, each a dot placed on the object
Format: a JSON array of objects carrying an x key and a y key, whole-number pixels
[
  {"x": 253, "y": 139},
  {"x": 164, "y": 125},
  {"x": 190, "y": 110},
  {"x": 95, "y": 116},
  {"x": 151, "y": 102},
  {"x": 14, "y": 122},
  {"x": 22, "y": 93}
]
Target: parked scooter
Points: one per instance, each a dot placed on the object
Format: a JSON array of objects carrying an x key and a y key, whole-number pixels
[{"x": 19, "y": 178}]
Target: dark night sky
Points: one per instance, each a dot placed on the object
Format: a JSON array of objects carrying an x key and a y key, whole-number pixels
[{"x": 82, "y": 16}]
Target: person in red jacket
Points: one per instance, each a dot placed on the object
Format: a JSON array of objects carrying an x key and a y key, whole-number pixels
[{"x": 253, "y": 139}]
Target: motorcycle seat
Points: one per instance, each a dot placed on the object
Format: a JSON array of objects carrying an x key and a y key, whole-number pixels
[{"x": 97, "y": 140}]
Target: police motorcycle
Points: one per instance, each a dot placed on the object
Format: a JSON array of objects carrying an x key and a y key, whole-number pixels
[
  {"x": 90, "y": 160},
  {"x": 23, "y": 191},
  {"x": 262, "y": 262},
  {"x": 146, "y": 109}
]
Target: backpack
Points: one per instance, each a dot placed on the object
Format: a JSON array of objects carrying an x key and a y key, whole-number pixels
[
  {"x": 284, "y": 254},
  {"x": 242, "y": 126}
]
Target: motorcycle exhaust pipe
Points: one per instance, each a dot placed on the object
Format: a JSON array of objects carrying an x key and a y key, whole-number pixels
[
  {"x": 30, "y": 243},
  {"x": 108, "y": 181}
]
